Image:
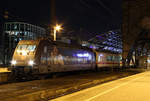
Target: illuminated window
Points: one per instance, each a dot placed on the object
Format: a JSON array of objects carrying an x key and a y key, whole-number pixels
[
  {"x": 26, "y": 47},
  {"x": 16, "y": 27}
]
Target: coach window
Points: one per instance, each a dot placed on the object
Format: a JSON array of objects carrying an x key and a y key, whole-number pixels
[
  {"x": 113, "y": 58},
  {"x": 45, "y": 49},
  {"x": 45, "y": 54},
  {"x": 117, "y": 58},
  {"x": 109, "y": 58},
  {"x": 99, "y": 58},
  {"x": 120, "y": 58}
]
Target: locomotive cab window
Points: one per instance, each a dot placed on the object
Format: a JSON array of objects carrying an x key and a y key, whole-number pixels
[
  {"x": 22, "y": 47},
  {"x": 31, "y": 47},
  {"x": 26, "y": 49}
]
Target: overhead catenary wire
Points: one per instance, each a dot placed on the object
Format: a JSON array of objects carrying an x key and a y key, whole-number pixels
[
  {"x": 87, "y": 3},
  {"x": 105, "y": 7}
]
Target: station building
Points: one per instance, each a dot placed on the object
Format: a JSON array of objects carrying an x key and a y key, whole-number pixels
[
  {"x": 109, "y": 41},
  {"x": 14, "y": 32}
]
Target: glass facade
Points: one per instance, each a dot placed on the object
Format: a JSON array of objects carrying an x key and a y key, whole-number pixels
[
  {"x": 16, "y": 31},
  {"x": 24, "y": 30},
  {"x": 109, "y": 41}
]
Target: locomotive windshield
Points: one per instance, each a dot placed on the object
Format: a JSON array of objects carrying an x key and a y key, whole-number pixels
[
  {"x": 26, "y": 47},
  {"x": 31, "y": 47}
]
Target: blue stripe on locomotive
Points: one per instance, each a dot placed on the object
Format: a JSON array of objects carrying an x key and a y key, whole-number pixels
[{"x": 68, "y": 56}]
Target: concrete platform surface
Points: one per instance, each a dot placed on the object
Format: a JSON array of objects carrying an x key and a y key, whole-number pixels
[
  {"x": 132, "y": 88},
  {"x": 4, "y": 69}
]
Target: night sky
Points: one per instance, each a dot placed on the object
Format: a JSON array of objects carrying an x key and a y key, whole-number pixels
[{"x": 94, "y": 16}]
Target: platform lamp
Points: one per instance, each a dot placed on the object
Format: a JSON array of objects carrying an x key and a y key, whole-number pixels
[{"x": 56, "y": 28}]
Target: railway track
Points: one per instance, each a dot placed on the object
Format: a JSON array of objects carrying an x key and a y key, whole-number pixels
[
  {"x": 54, "y": 87},
  {"x": 6, "y": 77}
]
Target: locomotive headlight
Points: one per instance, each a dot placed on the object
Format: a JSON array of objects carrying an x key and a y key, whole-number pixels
[
  {"x": 148, "y": 61},
  {"x": 24, "y": 53},
  {"x": 13, "y": 62},
  {"x": 31, "y": 62}
]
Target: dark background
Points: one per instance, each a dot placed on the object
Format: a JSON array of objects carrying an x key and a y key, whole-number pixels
[{"x": 93, "y": 16}]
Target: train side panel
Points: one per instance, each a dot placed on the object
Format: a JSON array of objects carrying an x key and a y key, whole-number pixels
[
  {"x": 107, "y": 59},
  {"x": 60, "y": 59},
  {"x": 44, "y": 56}
]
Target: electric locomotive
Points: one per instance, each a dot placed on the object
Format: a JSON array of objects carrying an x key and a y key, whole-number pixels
[{"x": 44, "y": 56}]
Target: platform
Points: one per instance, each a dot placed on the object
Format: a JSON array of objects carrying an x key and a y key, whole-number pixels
[
  {"x": 41, "y": 90},
  {"x": 4, "y": 74},
  {"x": 132, "y": 88},
  {"x": 4, "y": 69}
]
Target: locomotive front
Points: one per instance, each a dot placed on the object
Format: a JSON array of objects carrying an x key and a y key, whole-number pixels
[{"x": 24, "y": 57}]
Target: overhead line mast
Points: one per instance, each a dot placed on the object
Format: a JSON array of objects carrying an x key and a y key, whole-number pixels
[{"x": 52, "y": 16}]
